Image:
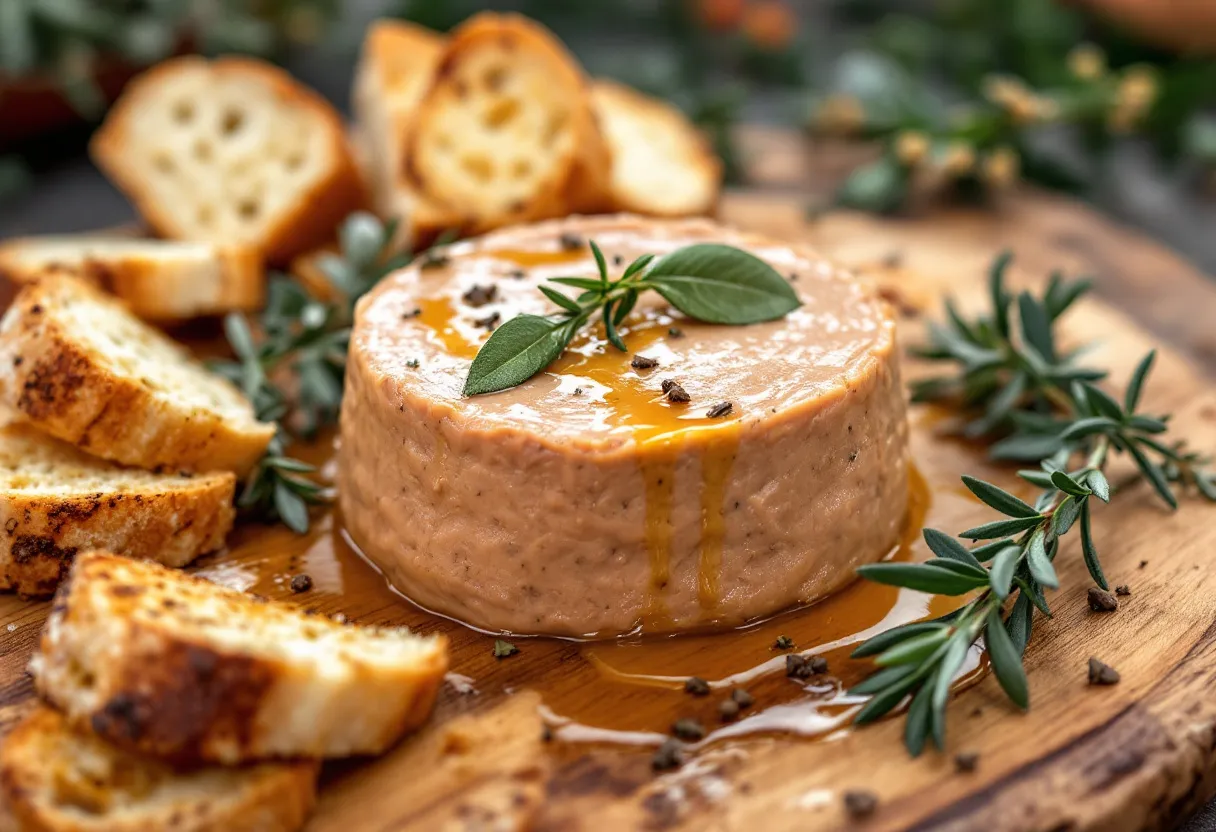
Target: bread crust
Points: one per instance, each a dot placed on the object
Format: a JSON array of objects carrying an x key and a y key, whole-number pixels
[
  {"x": 159, "y": 686},
  {"x": 45, "y": 782},
  {"x": 171, "y": 521},
  {"x": 158, "y": 289},
  {"x": 64, "y": 388},
  {"x": 699, "y": 156},
  {"x": 570, "y": 179},
  {"x": 315, "y": 215}
]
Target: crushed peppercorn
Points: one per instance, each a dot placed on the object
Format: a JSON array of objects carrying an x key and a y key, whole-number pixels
[
  {"x": 570, "y": 242},
  {"x": 643, "y": 362},
  {"x": 1102, "y": 601},
  {"x": 489, "y": 322},
  {"x": 783, "y": 643},
  {"x": 1100, "y": 673},
  {"x": 696, "y": 686},
  {"x": 674, "y": 392},
  {"x": 860, "y": 803},
  {"x": 668, "y": 756},
  {"x": 719, "y": 410},
  {"x": 479, "y": 295},
  {"x": 301, "y": 583},
  {"x": 688, "y": 729}
]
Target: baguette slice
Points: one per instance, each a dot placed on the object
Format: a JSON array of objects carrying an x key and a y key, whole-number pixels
[
  {"x": 56, "y": 501},
  {"x": 661, "y": 164},
  {"x": 395, "y": 70},
  {"x": 80, "y": 367},
  {"x": 159, "y": 280},
  {"x": 231, "y": 151},
  {"x": 59, "y": 779},
  {"x": 500, "y": 135},
  {"x": 174, "y": 666}
]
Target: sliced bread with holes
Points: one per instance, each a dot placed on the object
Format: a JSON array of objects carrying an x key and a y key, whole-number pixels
[
  {"x": 178, "y": 667},
  {"x": 82, "y": 368},
  {"x": 231, "y": 151},
  {"x": 499, "y": 136},
  {"x": 395, "y": 70},
  {"x": 59, "y": 779},
  {"x": 661, "y": 164},
  {"x": 56, "y": 501},
  {"x": 159, "y": 280}
]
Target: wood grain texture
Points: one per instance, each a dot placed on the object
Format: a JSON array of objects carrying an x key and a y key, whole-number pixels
[{"x": 1139, "y": 755}]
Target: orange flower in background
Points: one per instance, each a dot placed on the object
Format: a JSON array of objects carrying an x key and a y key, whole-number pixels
[
  {"x": 720, "y": 15},
  {"x": 770, "y": 24}
]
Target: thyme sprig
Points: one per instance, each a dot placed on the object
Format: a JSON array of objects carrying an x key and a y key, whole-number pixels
[
  {"x": 1011, "y": 377},
  {"x": 291, "y": 360}
]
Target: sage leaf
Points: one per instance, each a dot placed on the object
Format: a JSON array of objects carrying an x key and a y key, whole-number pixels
[
  {"x": 1041, "y": 568},
  {"x": 1036, "y": 326},
  {"x": 1153, "y": 473},
  {"x": 1019, "y": 623},
  {"x": 722, "y": 285},
  {"x": 628, "y": 301},
  {"x": 989, "y": 550},
  {"x": 945, "y": 546},
  {"x": 915, "y": 649},
  {"x": 881, "y": 679},
  {"x": 996, "y": 290},
  {"x": 1002, "y": 528},
  {"x": 952, "y": 662},
  {"x": 916, "y": 728},
  {"x": 1066, "y": 514},
  {"x": 1098, "y": 484},
  {"x": 1088, "y": 426},
  {"x": 1101, "y": 402},
  {"x": 614, "y": 337},
  {"x": 1025, "y": 447},
  {"x": 1000, "y": 575},
  {"x": 1131, "y": 398},
  {"x": 516, "y": 351},
  {"x": 601, "y": 265},
  {"x": 1089, "y": 551},
  {"x": 880, "y": 642},
  {"x": 998, "y": 498},
  {"x": 1068, "y": 485},
  {"x": 587, "y": 284},
  {"x": 292, "y": 509},
  {"x": 921, "y": 577},
  {"x": 1006, "y": 662},
  {"x": 564, "y": 301}
]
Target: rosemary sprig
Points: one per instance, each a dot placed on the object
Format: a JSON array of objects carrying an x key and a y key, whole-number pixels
[
  {"x": 290, "y": 363},
  {"x": 708, "y": 282},
  {"x": 1014, "y": 382}
]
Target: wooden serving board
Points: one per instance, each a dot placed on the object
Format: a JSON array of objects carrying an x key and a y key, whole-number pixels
[{"x": 1139, "y": 755}]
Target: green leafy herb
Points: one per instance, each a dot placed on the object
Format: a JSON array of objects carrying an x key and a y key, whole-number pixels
[
  {"x": 708, "y": 282},
  {"x": 1033, "y": 404},
  {"x": 502, "y": 649},
  {"x": 291, "y": 361}
]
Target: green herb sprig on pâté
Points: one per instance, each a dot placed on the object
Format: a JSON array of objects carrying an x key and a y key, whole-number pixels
[
  {"x": 291, "y": 361},
  {"x": 1015, "y": 382},
  {"x": 708, "y": 282}
]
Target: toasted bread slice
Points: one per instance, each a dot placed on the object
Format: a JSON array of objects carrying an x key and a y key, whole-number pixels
[
  {"x": 395, "y": 70},
  {"x": 56, "y": 501},
  {"x": 499, "y": 136},
  {"x": 178, "y": 667},
  {"x": 232, "y": 151},
  {"x": 60, "y": 779},
  {"x": 160, "y": 280},
  {"x": 661, "y": 164},
  {"x": 80, "y": 367}
]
